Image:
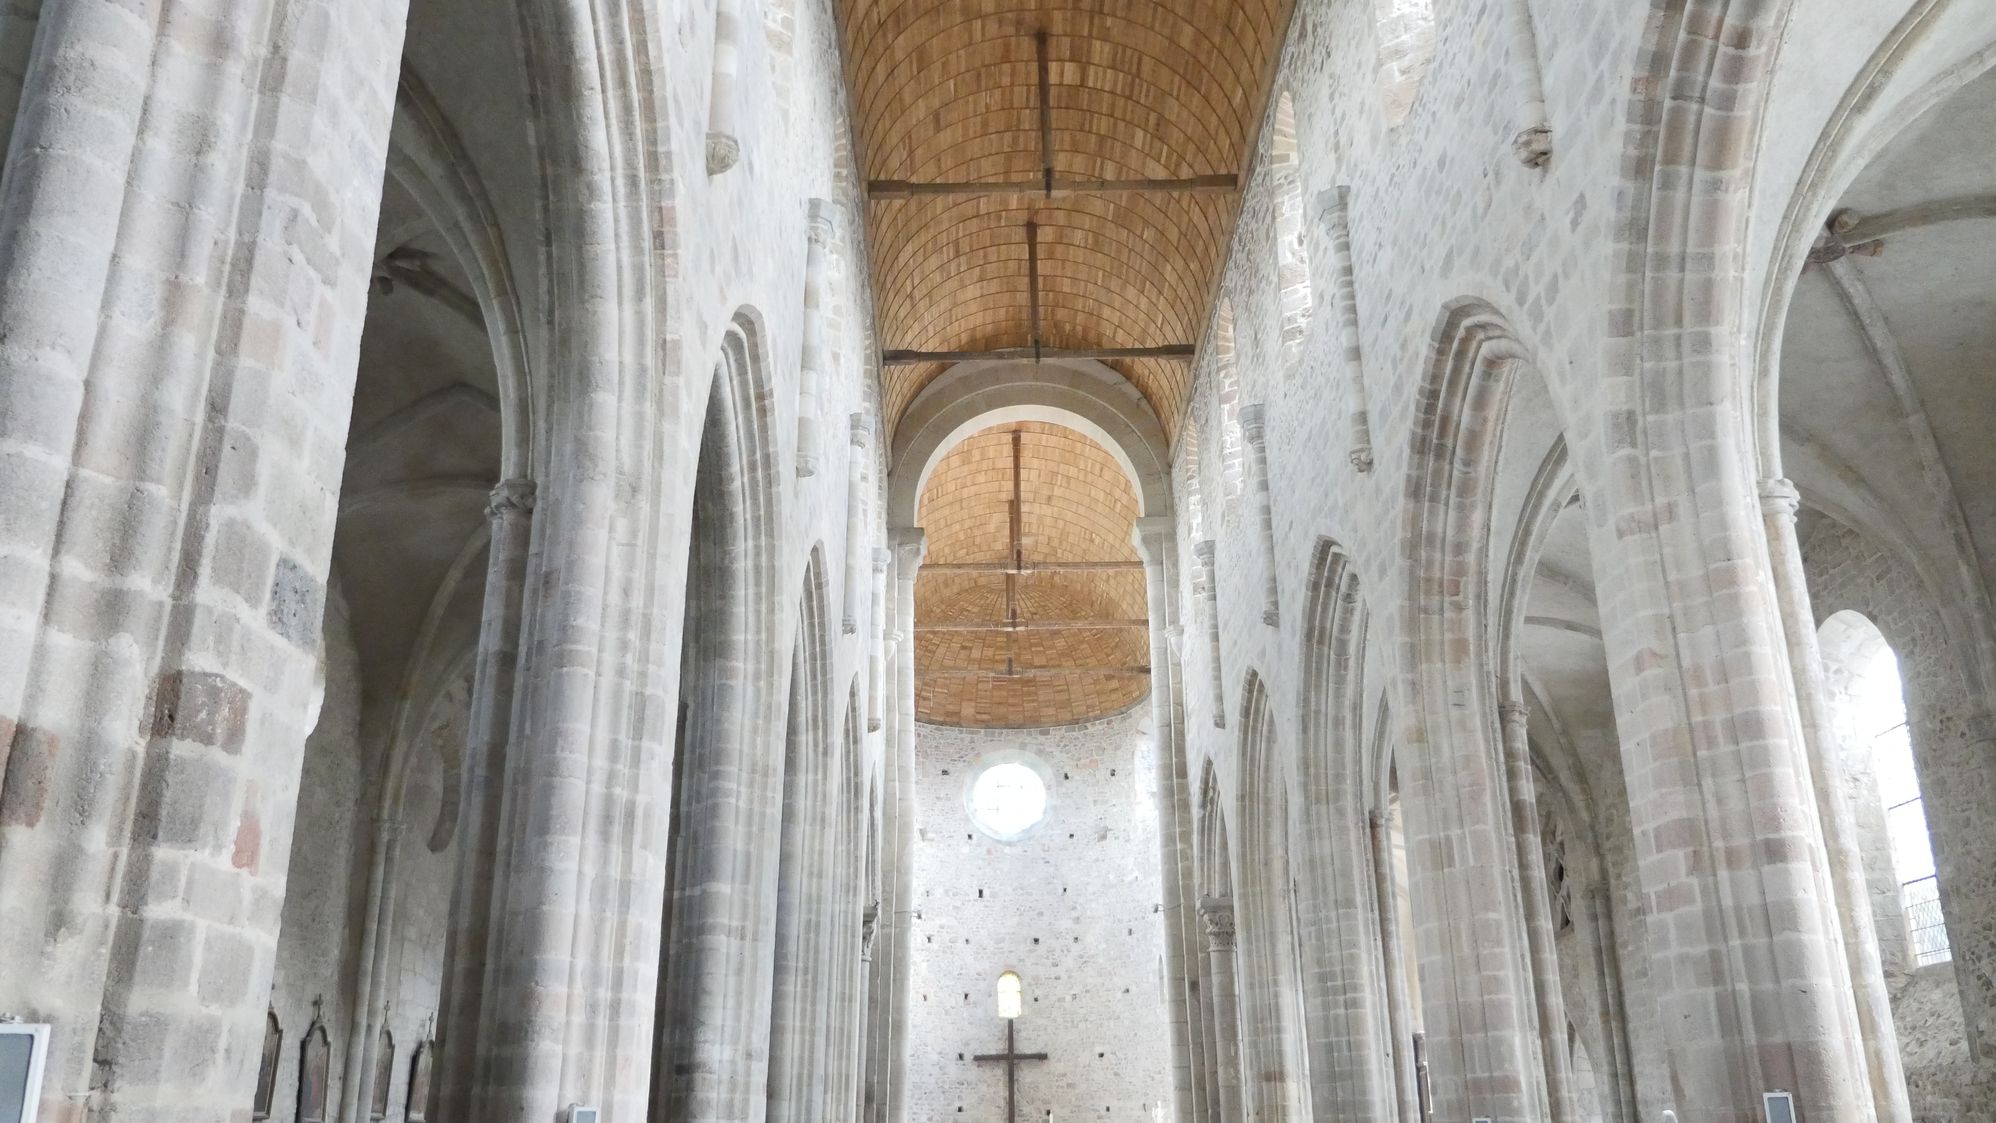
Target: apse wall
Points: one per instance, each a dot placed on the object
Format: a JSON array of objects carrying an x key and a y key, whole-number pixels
[{"x": 1072, "y": 907}]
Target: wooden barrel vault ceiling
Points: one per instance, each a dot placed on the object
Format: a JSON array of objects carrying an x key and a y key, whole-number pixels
[{"x": 1048, "y": 178}]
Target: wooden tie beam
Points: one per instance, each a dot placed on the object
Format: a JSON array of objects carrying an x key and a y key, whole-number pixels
[{"x": 1048, "y": 187}]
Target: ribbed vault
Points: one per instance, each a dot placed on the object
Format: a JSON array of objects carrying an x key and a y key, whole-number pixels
[
  {"x": 1062, "y": 641},
  {"x": 950, "y": 93}
]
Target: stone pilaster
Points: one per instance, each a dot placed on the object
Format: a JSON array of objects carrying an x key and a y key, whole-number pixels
[
  {"x": 1254, "y": 427},
  {"x": 860, "y": 434},
  {"x": 1207, "y": 590},
  {"x": 876, "y": 691},
  {"x": 1344, "y": 298},
  {"x": 724, "y": 145},
  {"x": 815, "y": 361}
]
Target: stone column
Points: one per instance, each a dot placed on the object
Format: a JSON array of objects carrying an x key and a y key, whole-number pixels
[
  {"x": 1223, "y": 992},
  {"x": 1254, "y": 427},
  {"x": 167, "y": 544},
  {"x": 467, "y": 949},
  {"x": 1539, "y": 934},
  {"x": 1885, "y": 1073},
  {"x": 1748, "y": 970},
  {"x": 909, "y": 544},
  {"x": 1393, "y": 957},
  {"x": 1155, "y": 539},
  {"x": 1207, "y": 590}
]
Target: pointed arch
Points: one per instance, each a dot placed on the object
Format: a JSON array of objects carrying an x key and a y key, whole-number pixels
[
  {"x": 726, "y": 792},
  {"x": 1344, "y": 999},
  {"x": 1448, "y": 748},
  {"x": 1271, "y": 983}
]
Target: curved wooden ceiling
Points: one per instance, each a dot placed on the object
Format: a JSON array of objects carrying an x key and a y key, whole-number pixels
[
  {"x": 949, "y": 93},
  {"x": 1058, "y": 643}
]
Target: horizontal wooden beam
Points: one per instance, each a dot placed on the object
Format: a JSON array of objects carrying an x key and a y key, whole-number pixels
[
  {"x": 1036, "y": 672},
  {"x": 1196, "y": 185},
  {"x": 1032, "y": 625},
  {"x": 1030, "y": 568},
  {"x": 1175, "y": 352}
]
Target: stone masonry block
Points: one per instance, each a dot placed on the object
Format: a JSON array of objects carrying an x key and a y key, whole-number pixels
[{"x": 202, "y": 707}]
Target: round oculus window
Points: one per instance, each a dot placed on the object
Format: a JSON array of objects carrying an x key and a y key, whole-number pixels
[{"x": 1007, "y": 799}]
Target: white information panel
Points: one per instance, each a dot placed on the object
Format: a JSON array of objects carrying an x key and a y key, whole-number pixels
[{"x": 23, "y": 1049}]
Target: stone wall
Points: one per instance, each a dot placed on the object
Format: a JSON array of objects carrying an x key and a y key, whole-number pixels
[{"x": 1073, "y": 908}]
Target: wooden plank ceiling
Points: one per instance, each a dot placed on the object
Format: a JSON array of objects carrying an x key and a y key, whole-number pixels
[
  {"x": 1047, "y": 177},
  {"x": 949, "y": 94}
]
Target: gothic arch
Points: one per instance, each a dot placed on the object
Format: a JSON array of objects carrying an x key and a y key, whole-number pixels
[
  {"x": 1448, "y": 744},
  {"x": 1344, "y": 1002},
  {"x": 808, "y": 863},
  {"x": 426, "y": 157},
  {"x": 1083, "y": 395},
  {"x": 1270, "y": 973},
  {"x": 727, "y": 799}
]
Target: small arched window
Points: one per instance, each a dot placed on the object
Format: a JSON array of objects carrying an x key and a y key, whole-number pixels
[
  {"x": 1406, "y": 30},
  {"x": 1292, "y": 249},
  {"x": 1011, "y": 995},
  {"x": 1227, "y": 380},
  {"x": 1869, "y": 696}
]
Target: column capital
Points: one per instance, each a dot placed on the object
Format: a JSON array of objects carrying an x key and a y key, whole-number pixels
[
  {"x": 1254, "y": 421},
  {"x": 910, "y": 544},
  {"x": 882, "y": 558},
  {"x": 1512, "y": 714},
  {"x": 861, "y": 432},
  {"x": 1205, "y": 550},
  {"x": 1152, "y": 537},
  {"x": 826, "y": 215},
  {"x": 1217, "y": 913},
  {"x": 1779, "y": 498},
  {"x": 510, "y": 497}
]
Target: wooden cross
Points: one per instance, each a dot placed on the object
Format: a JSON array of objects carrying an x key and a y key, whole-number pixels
[{"x": 1011, "y": 1056}]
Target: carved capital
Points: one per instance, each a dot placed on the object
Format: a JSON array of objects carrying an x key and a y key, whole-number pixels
[
  {"x": 869, "y": 926},
  {"x": 1206, "y": 550},
  {"x": 1779, "y": 499},
  {"x": 826, "y": 217},
  {"x": 1361, "y": 458},
  {"x": 1513, "y": 715},
  {"x": 859, "y": 431},
  {"x": 882, "y": 558},
  {"x": 723, "y": 152},
  {"x": 1152, "y": 537},
  {"x": 1533, "y": 146},
  {"x": 909, "y": 544},
  {"x": 1254, "y": 422},
  {"x": 510, "y": 497},
  {"x": 1218, "y": 915}
]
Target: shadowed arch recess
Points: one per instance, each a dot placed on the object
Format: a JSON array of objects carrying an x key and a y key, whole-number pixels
[{"x": 1167, "y": 89}]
